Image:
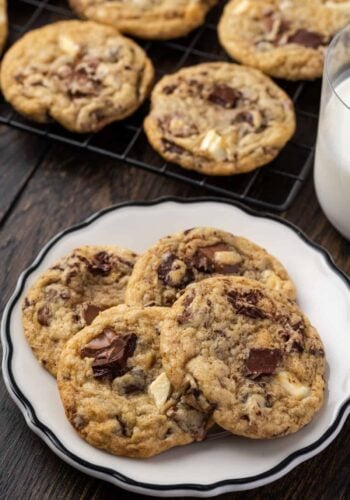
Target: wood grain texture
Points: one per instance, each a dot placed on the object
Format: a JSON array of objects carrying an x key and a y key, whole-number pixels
[
  {"x": 19, "y": 158},
  {"x": 61, "y": 190}
]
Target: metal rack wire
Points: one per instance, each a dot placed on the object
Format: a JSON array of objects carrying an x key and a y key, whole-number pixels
[{"x": 273, "y": 187}]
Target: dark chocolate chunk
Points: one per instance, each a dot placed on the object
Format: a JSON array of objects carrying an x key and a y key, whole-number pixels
[
  {"x": 26, "y": 303},
  {"x": 171, "y": 147},
  {"x": 169, "y": 263},
  {"x": 224, "y": 96},
  {"x": 307, "y": 38},
  {"x": 262, "y": 362},
  {"x": 90, "y": 313},
  {"x": 245, "y": 303},
  {"x": 111, "y": 352},
  {"x": 169, "y": 89},
  {"x": 99, "y": 343},
  {"x": 204, "y": 260},
  {"x": 101, "y": 264},
  {"x": 316, "y": 352},
  {"x": 44, "y": 316},
  {"x": 186, "y": 313},
  {"x": 244, "y": 117}
]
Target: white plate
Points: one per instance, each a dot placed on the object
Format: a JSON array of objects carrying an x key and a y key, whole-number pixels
[{"x": 212, "y": 467}]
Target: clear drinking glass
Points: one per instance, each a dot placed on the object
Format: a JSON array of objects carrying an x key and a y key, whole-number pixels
[{"x": 332, "y": 162}]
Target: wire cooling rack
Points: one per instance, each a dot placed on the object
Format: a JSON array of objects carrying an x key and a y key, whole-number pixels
[{"x": 275, "y": 186}]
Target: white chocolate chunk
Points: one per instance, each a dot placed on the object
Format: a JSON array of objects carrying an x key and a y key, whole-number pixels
[
  {"x": 292, "y": 385},
  {"x": 271, "y": 279},
  {"x": 160, "y": 389},
  {"x": 68, "y": 45},
  {"x": 242, "y": 7},
  {"x": 285, "y": 4},
  {"x": 227, "y": 258},
  {"x": 213, "y": 143}
]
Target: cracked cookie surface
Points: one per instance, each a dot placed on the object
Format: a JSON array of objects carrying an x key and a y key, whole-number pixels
[
  {"x": 82, "y": 74},
  {"x": 115, "y": 391},
  {"x": 70, "y": 294},
  {"x": 151, "y": 19},
  {"x": 283, "y": 38},
  {"x": 3, "y": 23},
  {"x": 164, "y": 270},
  {"x": 249, "y": 353},
  {"x": 219, "y": 118}
]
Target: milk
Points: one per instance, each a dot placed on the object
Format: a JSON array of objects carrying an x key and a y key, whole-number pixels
[{"x": 332, "y": 162}]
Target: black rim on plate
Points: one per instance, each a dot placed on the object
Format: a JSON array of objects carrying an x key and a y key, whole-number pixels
[{"x": 54, "y": 441}]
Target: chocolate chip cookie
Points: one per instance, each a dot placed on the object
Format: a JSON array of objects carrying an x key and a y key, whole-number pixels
[
  {"x": 151, "y": 19},
  {"x": 249, "y": 353},
  {"x": 219, "y": 118},
  {"x": 82, "y": 74},
  {"x": 3, "y": 23},
  {"x": 283, "y": 38},
  {"x": 69, "y": 296},
  {"x": 115, "y": 391},
  {"x": 163, "y": 271}
]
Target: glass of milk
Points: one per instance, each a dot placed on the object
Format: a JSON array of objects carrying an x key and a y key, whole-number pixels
[{"x": 332, "y": 162}]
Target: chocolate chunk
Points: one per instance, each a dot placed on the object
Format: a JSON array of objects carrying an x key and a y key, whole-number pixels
[
  {"x": 316, "y": 352},
  {"x": 26, "y": 303},
  {"x": 44, "y": 316},
  {"x": 262, "y": 362},
  {"x": 245, "y": 303},
  {"x": 171, "y": 263},
  {"x": 251, "y": 312},
  {"x": 111, "y": 352},
  {"x": 186, "y": 313},
  {"x": 307, "y": 38},
  {"x": 169, "y": 89},
  {"x": 244, "y": 117},
  {"x": 90, "y": 313},
  {"x": 101, "y": 264},
  {"x": 171, "y": 147},
  {"x": 204, "y": 260},
  {"x": 98, "y": 344},
  {"x": 225, "y": 96}
]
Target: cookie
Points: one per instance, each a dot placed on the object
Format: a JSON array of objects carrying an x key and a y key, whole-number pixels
[
  {"x": 283, "y": 38},
  {"x": 163, "y": 271},
  {"x": 82, "y": 74},
  {"x": 150, "y": 19},
  {"x": 252, "y": 355},
  {"x": 70, "y": 294},
  {"x": 115, "y": 391},
  {"x": 3, "y": 24},
  {"x": 219, "y": 118},
  {"x": 332, "y": 15}
]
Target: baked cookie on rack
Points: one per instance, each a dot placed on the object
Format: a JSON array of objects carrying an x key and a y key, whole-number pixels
[
  {"x": 69, "y": 296},
  {"x": 115, "y": 391},
  {"x": 3, "y": 23},
  {"x": 82, "y": 74},
  {"x": 219, "y": 118},
  {"x": 283, "y": 38},
  {"x": 164, "y": 270},
  {"x": 150, "y": 19},
  {"x": 247, "y": 353}
]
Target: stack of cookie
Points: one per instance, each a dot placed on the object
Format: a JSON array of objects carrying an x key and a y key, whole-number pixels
[
  {"x": 215, "y": 118},
  {"x": 210, "y": 333}
]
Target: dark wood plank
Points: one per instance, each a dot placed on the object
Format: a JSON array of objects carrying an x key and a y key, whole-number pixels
[
  {"x": 19, "y": 156},
  {"x": 67, "y": 187}
]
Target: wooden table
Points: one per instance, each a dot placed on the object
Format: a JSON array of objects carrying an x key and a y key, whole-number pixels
[{"x": 46, "y": 187}]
